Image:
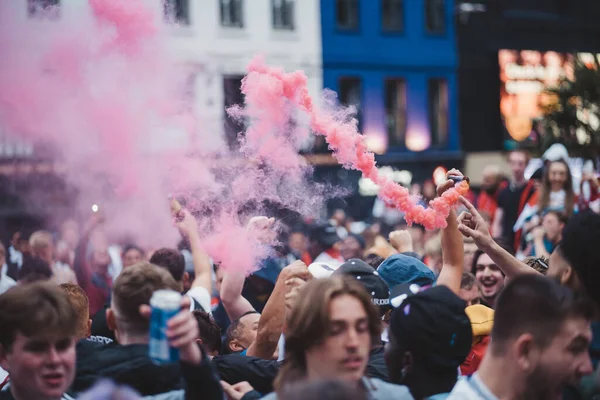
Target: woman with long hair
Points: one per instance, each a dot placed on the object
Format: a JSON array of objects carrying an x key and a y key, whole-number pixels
[{"x": 556, "y": 192}]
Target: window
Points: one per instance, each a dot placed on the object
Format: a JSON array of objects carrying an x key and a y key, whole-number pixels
[
  {"x": 395, "y": 111},
  {"x": 232, "y": 90},
  {"x": 177, "y": 11},
  {"x": 350, "y": 95},
  {"x": 232, "y": 13},
  {"x": 438, "y": 111},
  {"x": 392, "y": 15},
  {"x": 45, "y": 8},
  {"x": 283, "y": 14},
  {"x": 346, "y": 14},
  {"x": 435, "y": 16}
]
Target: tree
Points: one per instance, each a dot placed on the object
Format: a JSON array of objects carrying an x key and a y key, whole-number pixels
[{"x": 572, "y": 110}]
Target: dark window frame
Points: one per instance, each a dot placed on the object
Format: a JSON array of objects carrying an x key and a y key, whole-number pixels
[
  {"x": 344, "y": 91},
  {"x": 177, "y": 11},
  {"x": 439, "y": 138},
  {"x": 229, "y": 17},
  {"x": 396, "y": 134},
  {"x": 391, "y": 29},
  {"x": 287, "y": 15},
  {"x": 433, "y": 31},
  {"x": 353, "y": 6},
  {"x": 39, "y": 8}
]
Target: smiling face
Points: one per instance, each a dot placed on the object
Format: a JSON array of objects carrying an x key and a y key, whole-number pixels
[
  {"x": 557, "y": 175},
  {"x": 490, "y": 279},
  {"x": 345, "y": 351},
  {"x": 39, "y": 367},
  {"x": 564, "y": 362}
]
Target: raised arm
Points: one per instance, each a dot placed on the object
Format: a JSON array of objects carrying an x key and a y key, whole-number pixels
[
  {"x": 81, "y": 266},
  {"x": 471, "y": 224},
  {"x": 497, "y": 223},
  {"x": 202, "y": 267},
  {"x": 272, "y": 319},
  {"x": 231, "y": 295},
  {"x": 452, "y": 245},
  {"x": 259, "y": 229}
]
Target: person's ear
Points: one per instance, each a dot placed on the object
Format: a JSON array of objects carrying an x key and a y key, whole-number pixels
[
  {"x": 566, "y": 275},
  {"x": 186, "y": 278},
  {"x": 526, "y": 352},
  {"x": 111, "y": 320},
  {"x": 4, "y": 359},
  {"x": 235, "y": 346},
  {"x": 89, "y": 328}
]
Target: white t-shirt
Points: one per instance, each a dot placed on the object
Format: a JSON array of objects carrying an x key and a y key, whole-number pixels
[
  {"x": 471, "y": 388},
  {"x": 202, "y": 296},
  {"x": 6, "y": 282}
]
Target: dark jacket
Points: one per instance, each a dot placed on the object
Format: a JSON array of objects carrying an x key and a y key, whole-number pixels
[
  {"x": 130, "y": 365},
  {"x": 234, "y": 368}
]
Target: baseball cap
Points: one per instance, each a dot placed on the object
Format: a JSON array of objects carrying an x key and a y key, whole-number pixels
[
  {"x": 321, "y": 270},
  {"x": 401, "y": 292},
  {"x": 370, "y": 279},
  {"x": 400, "y": 268},
  {"x": 433, "y": 325}
]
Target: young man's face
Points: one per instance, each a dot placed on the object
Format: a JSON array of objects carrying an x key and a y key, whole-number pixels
[
  {"x": 565, "y": 361},
  {"x": 40, "y": 368},
  {"x": 517, "y": 162},
  {"x": 552, "y": 227},
  {"x": 131, "y": 257},
  {"x": 489, "y": 277},
  {"x": 470, "y": 295},
  {"x": 351, "y": 249},
  {"x": 345, "y": 351}
]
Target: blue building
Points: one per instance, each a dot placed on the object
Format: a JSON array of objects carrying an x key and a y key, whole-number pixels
[{"x": 396, "y": 60}]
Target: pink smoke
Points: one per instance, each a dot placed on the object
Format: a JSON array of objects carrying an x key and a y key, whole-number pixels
[
  {"x": 98, "y": 84},
  {"x": 285, "y": 89}
]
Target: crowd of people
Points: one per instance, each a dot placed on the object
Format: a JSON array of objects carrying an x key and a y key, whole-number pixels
[{"x": 500, "y": 304}]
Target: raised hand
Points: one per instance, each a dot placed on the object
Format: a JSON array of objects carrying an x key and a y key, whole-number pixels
[
  {"x": 471, "y": 224},
  {"x": 182, "y": 332},
  {"x": 401, "y": 241},
  {"x": 237, "y": 391},
  {"x": 186, "y": 223}
]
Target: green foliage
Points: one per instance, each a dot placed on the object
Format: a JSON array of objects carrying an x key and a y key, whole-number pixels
[{"x": 572, "y": 111}]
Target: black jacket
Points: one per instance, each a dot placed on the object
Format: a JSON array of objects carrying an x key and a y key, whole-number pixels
[
  {"x": 234, "y": 368},
  {"x": 130, "y": 365}
]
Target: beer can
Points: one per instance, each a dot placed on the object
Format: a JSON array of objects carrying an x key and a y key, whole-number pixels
[{"x": 165, "y": 305}]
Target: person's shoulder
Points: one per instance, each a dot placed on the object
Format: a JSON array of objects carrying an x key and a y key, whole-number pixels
[
  {"x": 381, "y": 390},
  {"x": 201, "y": 296},
  {"x": 270, "y": 396},
  {"x": 463, "y": 391}
]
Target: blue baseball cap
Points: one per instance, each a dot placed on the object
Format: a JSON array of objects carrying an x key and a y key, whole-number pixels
[{"x": 400, "y": 268}]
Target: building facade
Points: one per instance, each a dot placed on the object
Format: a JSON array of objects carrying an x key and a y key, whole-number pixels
[
  {"x": 396, "y": 61},
  {"x": 212, "y": 40},
  {"x": 218, "y": 38}
]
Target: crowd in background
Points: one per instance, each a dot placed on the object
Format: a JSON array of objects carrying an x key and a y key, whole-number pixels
[{"x": 392, "y": 310}]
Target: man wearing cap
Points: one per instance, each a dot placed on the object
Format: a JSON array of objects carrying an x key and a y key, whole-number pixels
[
  {"x": 430, "y": 336},
  {"x": 323, "y": 241},
  {"x": 378, "y": 289}
]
